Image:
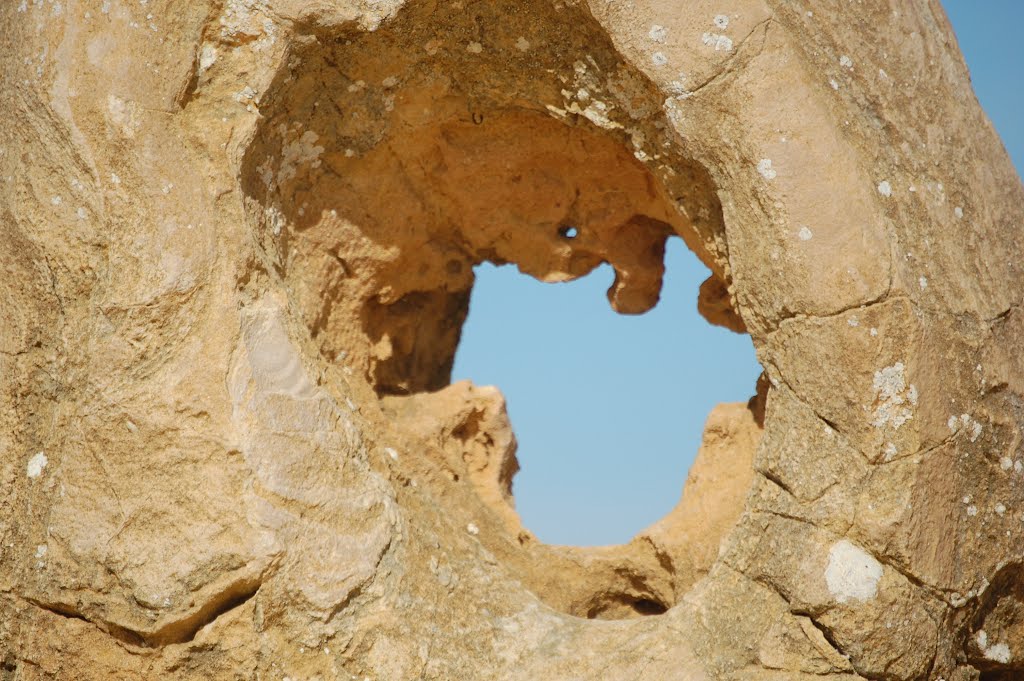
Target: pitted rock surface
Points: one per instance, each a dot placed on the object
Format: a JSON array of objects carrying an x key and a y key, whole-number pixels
[{"x": 238, "y": 240}]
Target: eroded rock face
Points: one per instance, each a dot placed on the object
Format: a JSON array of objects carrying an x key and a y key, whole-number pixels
[{"x": 238, "y": 240}]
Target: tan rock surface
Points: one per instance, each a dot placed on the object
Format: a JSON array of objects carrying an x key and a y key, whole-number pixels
[{"x": 238, "y": 241}]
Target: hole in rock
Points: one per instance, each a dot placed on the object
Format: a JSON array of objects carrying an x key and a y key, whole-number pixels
[
  {"x": 388, "y": 166},
  {"x": 608, "y": 410},
  {"x": 567, "y": 232}
]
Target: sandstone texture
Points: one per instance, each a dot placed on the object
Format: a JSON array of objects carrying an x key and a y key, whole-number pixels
[{"x": 238, "y": 240}]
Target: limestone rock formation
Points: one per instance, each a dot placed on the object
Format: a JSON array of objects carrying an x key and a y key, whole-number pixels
[{"x": 238, "y": 240}]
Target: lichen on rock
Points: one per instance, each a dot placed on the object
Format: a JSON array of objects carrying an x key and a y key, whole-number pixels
[{"x": 239, "y": 241}]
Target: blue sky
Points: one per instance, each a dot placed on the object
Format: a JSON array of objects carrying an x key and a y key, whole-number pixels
[{"x": 609, "y": 409}]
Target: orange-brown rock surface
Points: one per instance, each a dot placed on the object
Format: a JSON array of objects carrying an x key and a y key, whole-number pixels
[{"x": 238, "y": 241}]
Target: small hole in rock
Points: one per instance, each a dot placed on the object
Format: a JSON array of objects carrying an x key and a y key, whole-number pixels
[
  {"x": 568, "y": 232},
  {"x": 646, "y": 606}
]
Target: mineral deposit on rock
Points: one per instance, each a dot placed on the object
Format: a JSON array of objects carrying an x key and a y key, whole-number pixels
[{"x": 238, "y": 240}]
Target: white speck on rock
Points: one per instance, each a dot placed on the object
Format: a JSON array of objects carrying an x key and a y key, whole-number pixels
[
  {"x": 392, "y": 453},
  {"x": 852, "y": 572},
  {"x": 1000, "y": 509},
  {"x": 472, "y": 529},
  {"x": 972, "y": 510},
  {"x": 805, "y": 234},
  {"x": 845, "y": 62},
  {"x": 658, "y": 33},
  {"x": 853, "y": 321},
  {"x": 81, "y": 213},
  {"x": 833, "y": 83},
  {"x": 884, "y": 188},
  {"x": 958, "y": 212},
  {"x": 41, "y": 550},
  {"x": 56, "y": 200},
  {"x": 764, "y": 166},
  {"x": 36, "y": 465},
  {"x": 659, "y": 59},
  {"x": 722, "y": 21},
  {"x": 923, "y": 281},
  {"x": 474, "y": 48},
  {"x": 207, "y": 57},
  {"x": 522, "y": 44},
  {"x": 873, "y": 331},
  {"x": 719, "y": 42}
]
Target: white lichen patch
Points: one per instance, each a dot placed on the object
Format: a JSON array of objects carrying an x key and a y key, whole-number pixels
[
  {"x": 764, "y": 166},
  {"x": 659, "y": 59},
  {"x": 245, "y": 95},
  {"x": 658, "y": 33},
  {"x": 884, "y": 188},
  {"x": 890, "y": 451},
  {"x": 845, "y": 62},
  {"x": 893, "y": 397},
  {"x": 722, "y": 21},
  {"x": 36, "y": 465},
  {"x": 717, "y": 41},
  {"x": 967, "y": 424},
  {"x": 958, "y": 212},
  {"x": 805, "y": 234},
  {"x": 998, "y": 652},
  {"x": 123, "y": 115},
  {"x": 852, "y": 573},
  {"x": 923, "y": 282},
  {"x": 300, "y": 151}
]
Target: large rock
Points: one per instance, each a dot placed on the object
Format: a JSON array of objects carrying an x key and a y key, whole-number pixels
[{"x": 238, "y": 241}]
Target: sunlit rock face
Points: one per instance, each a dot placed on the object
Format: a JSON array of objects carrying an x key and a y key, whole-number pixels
[{"x": 238, "y": 241}]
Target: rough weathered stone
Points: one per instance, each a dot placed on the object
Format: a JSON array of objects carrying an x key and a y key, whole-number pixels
[{"x": 238, "y": 241}]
